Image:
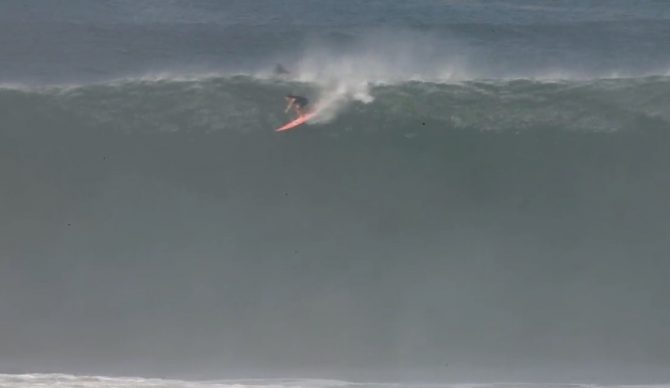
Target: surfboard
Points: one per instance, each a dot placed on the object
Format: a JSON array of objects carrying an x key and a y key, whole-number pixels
[{"x": 300, "y": 120}]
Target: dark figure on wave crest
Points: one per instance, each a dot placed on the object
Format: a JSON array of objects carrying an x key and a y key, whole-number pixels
[
  {"x": 298, "y": 103},
  {"x": 280, "y": 71}
]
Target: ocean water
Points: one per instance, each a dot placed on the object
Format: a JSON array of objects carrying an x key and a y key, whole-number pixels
[{"x": 483, "y": 197}]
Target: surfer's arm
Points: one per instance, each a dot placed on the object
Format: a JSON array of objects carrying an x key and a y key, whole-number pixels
[{"x": 290, "y": 104}]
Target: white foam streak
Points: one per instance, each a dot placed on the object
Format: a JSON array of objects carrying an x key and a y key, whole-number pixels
[{"x": 72, "y": 381}]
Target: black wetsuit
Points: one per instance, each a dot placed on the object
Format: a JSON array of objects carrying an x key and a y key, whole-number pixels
[{"x": 300, "y": 101}]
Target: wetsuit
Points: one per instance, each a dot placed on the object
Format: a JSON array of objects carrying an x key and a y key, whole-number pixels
[{"x": 300, "y": 101}]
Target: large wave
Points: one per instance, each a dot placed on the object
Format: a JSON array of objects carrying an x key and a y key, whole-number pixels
[
  {"x": 424, "y": 223},
  {"x": 483, "y": 195}
]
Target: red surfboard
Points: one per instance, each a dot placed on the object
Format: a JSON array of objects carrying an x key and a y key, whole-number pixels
[{"x": 300, "y": 120}]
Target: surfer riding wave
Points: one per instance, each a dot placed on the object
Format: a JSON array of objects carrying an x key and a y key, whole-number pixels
[{"x": 298, "y": 103}]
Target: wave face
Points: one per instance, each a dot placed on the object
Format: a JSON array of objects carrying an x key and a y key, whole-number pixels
[{"x": 162, "y": 226}]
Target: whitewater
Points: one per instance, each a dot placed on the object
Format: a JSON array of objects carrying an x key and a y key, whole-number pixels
[{"x": 70, "y": 381}]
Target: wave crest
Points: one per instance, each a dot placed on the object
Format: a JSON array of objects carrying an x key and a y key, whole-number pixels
[{"x": 247, "y": 104}]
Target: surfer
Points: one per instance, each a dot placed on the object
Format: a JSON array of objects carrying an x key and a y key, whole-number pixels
[
  {"x": 298, "y": 103},
  {"x": 280, "y": 71}
]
